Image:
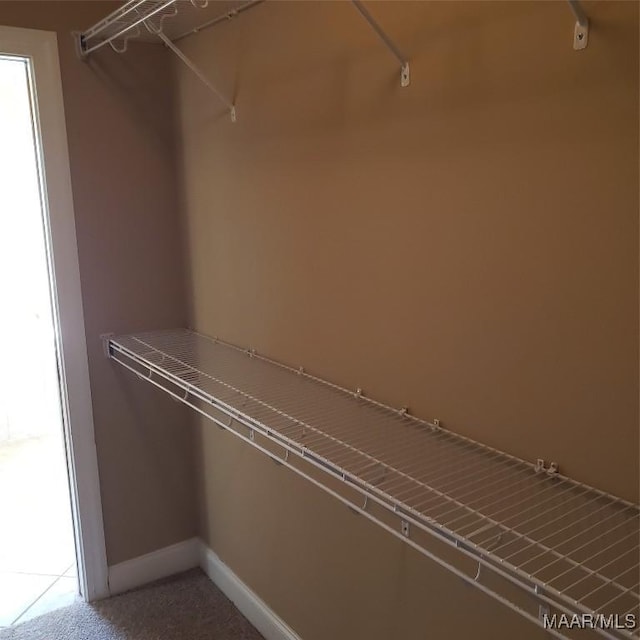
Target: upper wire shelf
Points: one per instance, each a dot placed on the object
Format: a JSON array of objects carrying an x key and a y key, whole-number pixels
[
  {"x": 124, "y": 23},
  {"x": 145, "y": 19},
  {"x": 566, "y": 547}
]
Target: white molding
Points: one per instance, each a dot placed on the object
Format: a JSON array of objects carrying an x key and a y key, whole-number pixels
[
  {"x": 41, "y": 47},
  {"x": 191, "y": 553},
  {"x": 139, "y": 571},
  {"x": 263, "y": 618}
]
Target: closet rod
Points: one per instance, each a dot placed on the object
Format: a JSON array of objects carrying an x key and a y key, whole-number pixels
[{"x": 223, "y": 18}]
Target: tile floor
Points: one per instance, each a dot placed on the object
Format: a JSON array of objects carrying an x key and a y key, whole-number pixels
[{"x": 37, "y": 563}]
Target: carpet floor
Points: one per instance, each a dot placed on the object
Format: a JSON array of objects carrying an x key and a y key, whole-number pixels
[{"x": 184, "y": 607}]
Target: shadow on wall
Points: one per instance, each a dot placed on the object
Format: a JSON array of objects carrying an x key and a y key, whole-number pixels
[
  {"x": 148, "y": 97},
  {"x": 453, "y": 68}
]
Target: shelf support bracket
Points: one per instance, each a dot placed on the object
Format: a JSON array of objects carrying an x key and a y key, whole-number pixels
[
  {"x": 581, "y": 29},
  {"x": 192, "y": 66},
  {"x": 405, "y": 76}
]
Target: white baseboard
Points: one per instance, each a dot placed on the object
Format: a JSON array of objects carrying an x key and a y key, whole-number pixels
[
  {"x": 186, "y": 555},
  {"x": 250, "y": 605},
  {"x": 155, "y": 565}
]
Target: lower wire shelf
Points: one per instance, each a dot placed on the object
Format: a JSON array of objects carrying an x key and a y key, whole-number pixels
[{"x": 559, "y": 552}]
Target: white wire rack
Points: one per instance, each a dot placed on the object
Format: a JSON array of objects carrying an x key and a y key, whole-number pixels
[
  {"x": 124, "y": 23},
  {"x": 144, "y": 19},
  {"x": 129, "y": 21},
  {"x": 537, "y": 542}
]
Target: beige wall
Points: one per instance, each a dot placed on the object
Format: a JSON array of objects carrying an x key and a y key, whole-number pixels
[
  {"x": 120, "y": 128},
  {"x": 467, "y": 247}
]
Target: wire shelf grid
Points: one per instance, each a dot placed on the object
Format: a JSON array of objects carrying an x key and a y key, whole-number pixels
[
  {"x": 143, "y": 18},
  {"x": 575, "y": 547},
  {"x": 127, "y": 22}
]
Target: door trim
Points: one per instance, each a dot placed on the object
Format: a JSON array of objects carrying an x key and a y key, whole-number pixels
[{"x": 41, "y": 47}]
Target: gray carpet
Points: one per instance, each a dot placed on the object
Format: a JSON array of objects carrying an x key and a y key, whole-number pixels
[{"x": 185, "y": 607}]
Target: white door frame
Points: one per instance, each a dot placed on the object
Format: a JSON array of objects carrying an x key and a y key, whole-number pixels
[{"x": 41, "y": 47}]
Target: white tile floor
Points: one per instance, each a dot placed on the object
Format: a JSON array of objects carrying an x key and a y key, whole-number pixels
[{"x": 37, "y": 563}]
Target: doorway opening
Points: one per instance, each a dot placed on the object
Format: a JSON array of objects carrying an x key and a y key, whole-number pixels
[{"x": 37, "y": 549}]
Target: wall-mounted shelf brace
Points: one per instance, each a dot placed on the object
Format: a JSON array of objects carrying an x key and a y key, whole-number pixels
[
  {"x": 581, "y": 29},
  {"x": 192, "y": 66},
  {"x": 405, "y": 76}
]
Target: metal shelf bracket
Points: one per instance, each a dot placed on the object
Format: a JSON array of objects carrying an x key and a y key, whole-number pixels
[
  {"x": 581, "y": 29},
  {"x": 405, "y": 73},
  {"x": 187, "y": 62}
]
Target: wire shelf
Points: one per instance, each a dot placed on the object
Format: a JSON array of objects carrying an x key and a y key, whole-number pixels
[
  {"x": 131, "y": 19},
  {"x": 569, "y": 547},
  {"x": 126, "y": 22}
]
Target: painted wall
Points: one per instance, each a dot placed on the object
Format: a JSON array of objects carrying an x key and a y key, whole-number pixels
[
  {"x": 467, "y": 247},
  {"x": 119, "y": 112}
]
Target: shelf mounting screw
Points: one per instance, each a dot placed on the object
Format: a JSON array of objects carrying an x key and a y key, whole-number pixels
[
  {"x": 405, "y": 75},
  {"x": 580, "y": 36},
  {"x": 581, "y": 28}
]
